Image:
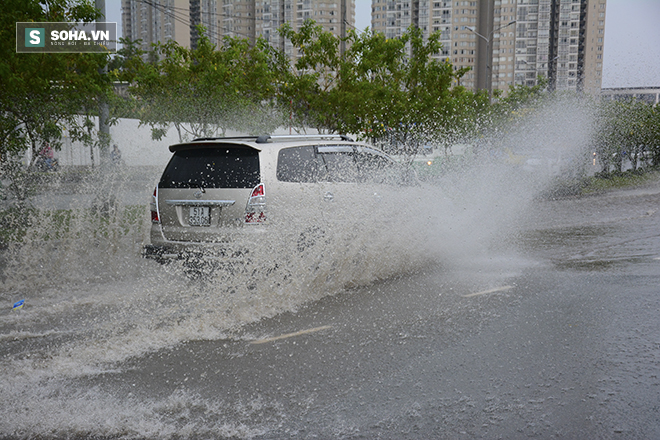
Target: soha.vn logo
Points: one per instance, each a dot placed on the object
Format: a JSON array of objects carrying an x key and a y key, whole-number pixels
[
  {"x": 66, "y": 37},
  {"x": 35, "y": 37},
  {"x": 77, "y": 35}
]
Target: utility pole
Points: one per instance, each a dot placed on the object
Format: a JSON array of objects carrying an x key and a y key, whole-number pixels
[
  {"x": 104, "y": 109},
  {"x": 488, "y": 55},
  {"x": 344, "y": 20}
]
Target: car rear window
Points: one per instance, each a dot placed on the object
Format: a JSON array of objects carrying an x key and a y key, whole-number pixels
[{"x": 215, "y": 167}]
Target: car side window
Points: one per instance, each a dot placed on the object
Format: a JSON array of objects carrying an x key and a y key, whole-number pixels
[
  {"x": 337, "y": 163},
  {"x": 299, "y": 164},
  {"x": 377, "y": 168},
  {"x": 340, "y": 166}
]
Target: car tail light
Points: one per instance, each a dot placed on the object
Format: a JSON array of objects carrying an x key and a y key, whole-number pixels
[
  {"x": 155, "y": 218},
  {"x": 255, "y": 211}
]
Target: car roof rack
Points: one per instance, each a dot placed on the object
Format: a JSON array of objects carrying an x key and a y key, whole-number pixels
[
  {"x": 264, "y": 139},
  {"x": 302, "y": 137},
  {"x": 225, "y": 138}
]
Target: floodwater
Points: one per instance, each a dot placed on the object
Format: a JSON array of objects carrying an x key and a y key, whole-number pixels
[{"x": 350, "y": 338}]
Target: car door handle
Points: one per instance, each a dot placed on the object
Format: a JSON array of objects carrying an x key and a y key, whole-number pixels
[{"x": 328, "y": 197}]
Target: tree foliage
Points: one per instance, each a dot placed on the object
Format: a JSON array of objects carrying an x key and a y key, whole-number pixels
[
  {"x": 391, "y": 91},
  {"x": 510, "y": 110},
  {"x": 40, "y": 94},
  {"x": 628, "y": 129},
  {"x": 394, "y": 92},
  {"x": 208, "y": 90},
  {"x": 128, "y": 62}
]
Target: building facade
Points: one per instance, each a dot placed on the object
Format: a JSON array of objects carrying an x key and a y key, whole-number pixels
[
  {"x": 335, "y": 16},
  {"x": 650, "y": 95},
  {"x": 503, "y": 42},
  {"x": 161, "y": 20},
  {"x": 157, "y": 20},
  {"x": 508, "y": 42}
]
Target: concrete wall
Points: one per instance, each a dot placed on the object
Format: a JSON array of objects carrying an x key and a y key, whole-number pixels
[{"x": 135, "y": 143}]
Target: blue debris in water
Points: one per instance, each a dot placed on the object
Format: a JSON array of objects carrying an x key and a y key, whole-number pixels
[{"x": 18, "y": 304}]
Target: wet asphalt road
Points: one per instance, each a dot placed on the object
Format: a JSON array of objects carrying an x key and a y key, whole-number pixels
[{"x": 555, "y": 334}]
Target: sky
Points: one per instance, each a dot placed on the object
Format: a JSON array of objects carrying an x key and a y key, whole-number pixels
[
  {"x": 632, "y": 44},
  {"x": 632, "y": 39}
]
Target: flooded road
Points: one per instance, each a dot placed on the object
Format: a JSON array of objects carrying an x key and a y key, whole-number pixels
[{"x": 550, "y": 331}]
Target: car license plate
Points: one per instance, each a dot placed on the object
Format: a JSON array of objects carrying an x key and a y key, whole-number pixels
[{"x": 199, "y": 216}]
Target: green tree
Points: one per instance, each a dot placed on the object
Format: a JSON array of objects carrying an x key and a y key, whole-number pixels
[
  {"x": 646, "y": 133},
  {"x": 205, "y": 91},
  {"x": 127, "y": 63},
  {"x": 653, "y": 124},
  {"x": 392, "y": 91},
  {"x": 307, "y": 84},
  {"x": 40, "y": 94},
  {"x": 628, "y": 129},
  {"x": 123, "y": 68},
  {"x": 515, "y": 107}
]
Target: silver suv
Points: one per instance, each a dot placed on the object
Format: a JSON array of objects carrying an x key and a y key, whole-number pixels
[{"x": 216, "y": 194}]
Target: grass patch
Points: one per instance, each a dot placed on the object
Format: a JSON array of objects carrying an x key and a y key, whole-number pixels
[
  {"x": 628, "y": 179},
  {"x": 14, "y": 223},
  {"x": 47, "y": 225}
]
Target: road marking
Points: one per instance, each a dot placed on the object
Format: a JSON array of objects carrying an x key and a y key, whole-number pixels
[
  {"x": 290, "y": 335},
  {"x": 484, "y": 292}
]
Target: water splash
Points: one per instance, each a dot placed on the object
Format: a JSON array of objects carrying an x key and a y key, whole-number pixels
[{"x": 92, "y": 302}]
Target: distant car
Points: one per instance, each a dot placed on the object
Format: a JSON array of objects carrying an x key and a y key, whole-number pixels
[
  {"x": 218, "y": 197},
  {"x": 545, "y": 162}
]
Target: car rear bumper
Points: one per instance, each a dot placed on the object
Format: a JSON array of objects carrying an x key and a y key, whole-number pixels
[
  {"x": 228, "y": 244},
  {"x": 165, "y": 253},
  {"x": 160, "y": 253}
]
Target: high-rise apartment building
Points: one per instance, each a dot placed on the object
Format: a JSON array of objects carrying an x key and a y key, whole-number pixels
[
  {"x": 205, "y": 13},
  {"x": 162, "y": 20},
  {"x": 263, "y": 18},
  {"x": 504, "y": 42},
  {"x": 156, "y": 20},
  {"x": 508, "y": 42}
]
